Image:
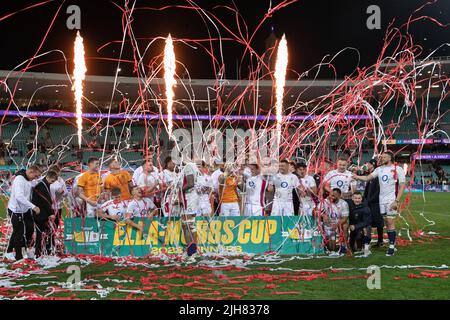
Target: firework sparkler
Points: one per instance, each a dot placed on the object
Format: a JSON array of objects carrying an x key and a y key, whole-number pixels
[
  {"x": 280, "y": 81},
  {"x": 79, "y": 74},
  {"x": 169, "y": 79}
]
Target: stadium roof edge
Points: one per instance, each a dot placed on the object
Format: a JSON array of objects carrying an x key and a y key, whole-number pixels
[{"x": 6, "y": 74}]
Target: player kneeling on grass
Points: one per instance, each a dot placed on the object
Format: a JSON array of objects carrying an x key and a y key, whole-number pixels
[
  {"x": 115, "y": 208},
  {"x": 139, "y": 208},
  {"x": 360, "y": 220},
  {"x": 335, "y": 221},
  {"x": 392, "y": 185}
]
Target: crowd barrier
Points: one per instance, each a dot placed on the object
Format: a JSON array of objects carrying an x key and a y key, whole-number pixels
[
  {"x": 257, "y": 235},
  {"x": 428, "y": 188}
]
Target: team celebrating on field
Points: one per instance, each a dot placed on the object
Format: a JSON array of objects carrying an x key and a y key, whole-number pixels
[{"x": 345, "y": 216}]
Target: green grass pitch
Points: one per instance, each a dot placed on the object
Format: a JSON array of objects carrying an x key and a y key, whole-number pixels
[{"x": 286, "y": 282}]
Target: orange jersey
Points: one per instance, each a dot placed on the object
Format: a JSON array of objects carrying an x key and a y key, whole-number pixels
[
  {"x": 229, "y": 193},
  {"x": 119, "y": 180},
  {"x": 91, "y": 184}
]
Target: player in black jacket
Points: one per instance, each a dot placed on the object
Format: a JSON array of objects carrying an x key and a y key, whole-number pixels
[
  {"x": 360, "y": 220},
  {"x": 371, "y": 197},
  {"x": 42, "y": 198}
]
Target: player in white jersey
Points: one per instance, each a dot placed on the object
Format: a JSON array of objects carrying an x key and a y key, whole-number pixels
[
  {"x": 77, "y": 203},
  {"x": 168, "y": 181},
  {"x": 283, "y": 183},
  {"x": 148, "y": 179},
  {"x": 335, "y": 217},
  {"x": 220, "y": 169},
  {"x": 189, "y": 201},
  {"x": 147, "y": 163},
  {"x": 113, "y": 209},
  {"x": 392, "y": 185},
  {"x": 340, "y": 178},
  {"x": 255, "y": 189},
  {"x": 309, "y": 190},
  {"x": 59, "y": 192},
  {"x": 204, "y": 188},
  {"x": 139, "y": 208}
]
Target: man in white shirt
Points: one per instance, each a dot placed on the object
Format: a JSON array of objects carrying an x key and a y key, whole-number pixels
[
  {"x": 255, "y": 189},
  {"x": 220, "y": 169},
  {"x": 283, "y": 183},
  {"x": 148, "y": 180},
  {"x": 392, "y": 185},
  {"x": 59, "y": 192},
  {"x": 340, "y": 178},
  {"x": 335, "y": 218},
  {"x": 20, "y": 209},
  {"x": 189, "y": 200},
  {"x": 204, "y": 188},
  {"x": 139, "y": 208},
  {"x": 168, "y": 181},
  {"x": 115, "y": 208},
  {"x": 309, "y": 187},
  {"x": 147, "y": 164}
]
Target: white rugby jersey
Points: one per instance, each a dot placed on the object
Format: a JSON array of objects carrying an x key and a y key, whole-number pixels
[
  {"x": 168, "y": 177},
  {"x": 255, "y": 188},
  {"x": 308, "y": 183},
  {"x": 190, "y": 169},
  {"x": 204, "y": 181},
  {"x": 140, "y": 208},
  {"x": 113, "y": 208},
  {"x": 388, "y": 177},
  {"x": 215, "y": 178},
  {"x": 57, "y": 197},
  {"x": 341, "y": 180},
  {"x": 147, "y": 180},
  {"x": 284, "y": 184},
  {"x": 140, "y": 171},
  {"x": 336, "y": 210}
]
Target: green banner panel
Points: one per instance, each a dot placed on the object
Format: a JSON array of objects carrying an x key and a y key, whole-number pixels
[{"x": 285, "y": 235}]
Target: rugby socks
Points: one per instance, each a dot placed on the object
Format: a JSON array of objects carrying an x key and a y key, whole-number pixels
[
  {"x": 391, "y": 235},
  {"x": 191, "y": 249},
  {"x": 380, "y": 234},
  {"x": 366, "y": 242}
]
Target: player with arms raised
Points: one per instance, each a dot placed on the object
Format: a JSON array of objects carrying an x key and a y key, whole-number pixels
[
  {"x": 392, "y": 185},
  {"x": 283, "y": 183}
]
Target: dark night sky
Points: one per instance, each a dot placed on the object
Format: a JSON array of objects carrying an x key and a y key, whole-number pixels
[{"x": 313, "y": 29}]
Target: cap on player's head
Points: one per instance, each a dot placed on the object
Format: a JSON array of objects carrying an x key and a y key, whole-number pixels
[{"x": 115, "y": 193}]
